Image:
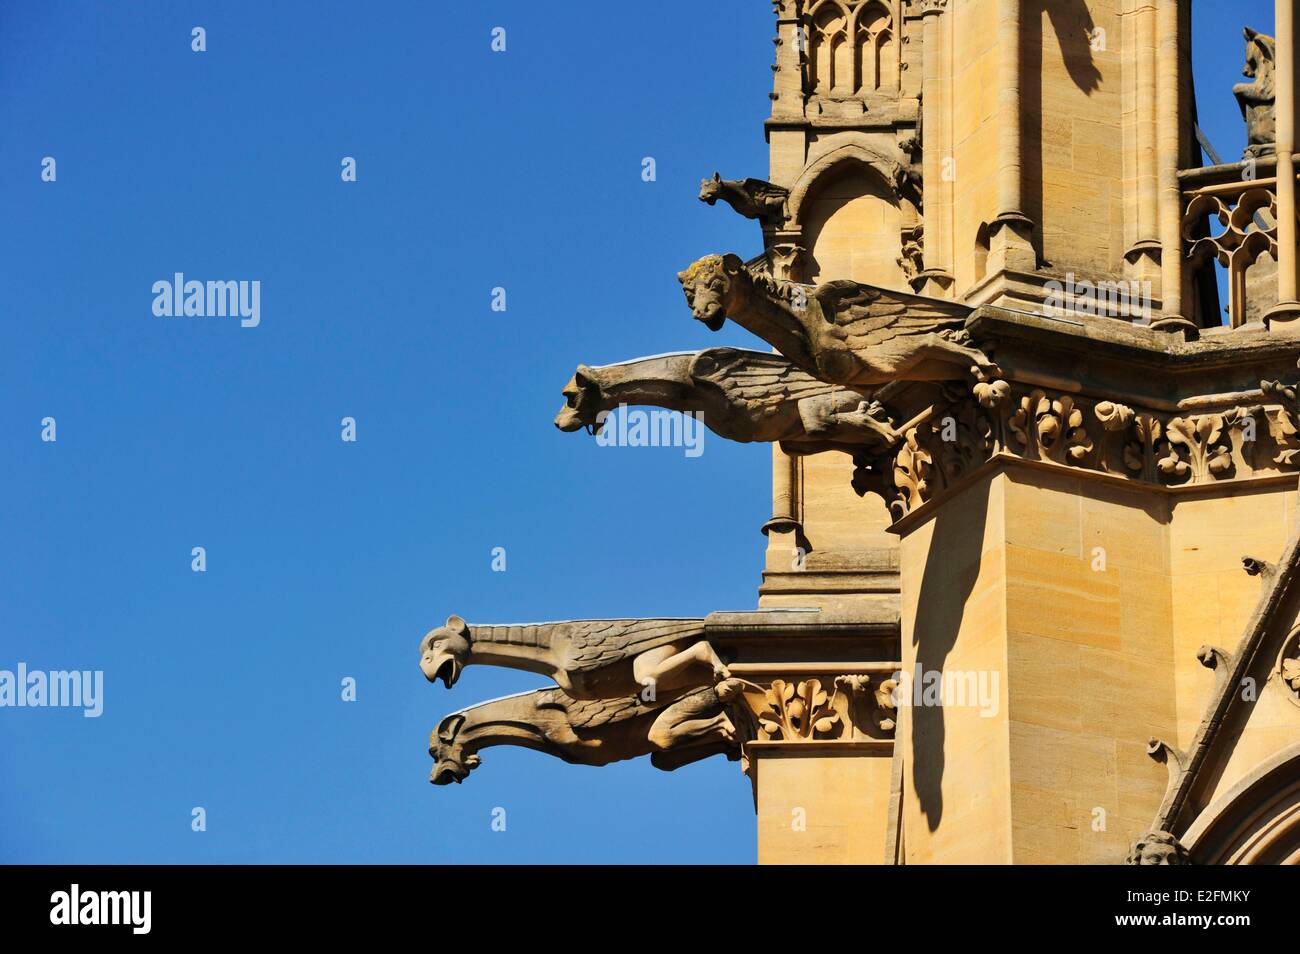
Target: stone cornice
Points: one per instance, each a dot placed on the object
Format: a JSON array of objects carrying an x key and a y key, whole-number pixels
[
  {"x": 1117, "y": 354},
  {"x": 755, "y": 624}
]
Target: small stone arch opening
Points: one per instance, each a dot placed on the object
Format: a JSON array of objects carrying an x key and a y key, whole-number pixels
[{"x": 849, "y": 202}]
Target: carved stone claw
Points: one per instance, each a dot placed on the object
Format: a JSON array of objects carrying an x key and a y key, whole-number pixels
[
  {"x": 984, "y": 373},
  {"x": 729, "y": 689}
]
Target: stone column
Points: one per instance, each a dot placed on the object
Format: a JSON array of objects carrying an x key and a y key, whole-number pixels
[
  {"x": 784, "y": 515},
  {"x": 784, "y": 528},
  {"x": 787, "y": 82},
  {"x": 936, "y": 279},
  {"x": 1169, "y": 131},
  {"x": 1283, "y": 316},
  {"x": 1144, "y": 255},
  {"x": 1014, "y": 230}
]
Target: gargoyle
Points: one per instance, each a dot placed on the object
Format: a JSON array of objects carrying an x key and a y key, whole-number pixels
[
  {"x": 840, "y": 332},
  {"x": 742, "y": 395},
  {"x": 673, "y": 732},
  {"x": 1283, "y": 421},
  {"x": 752, "y": 198},
  {"x": 587, "y": 658},
  {"x": 1257, "y": 98}
]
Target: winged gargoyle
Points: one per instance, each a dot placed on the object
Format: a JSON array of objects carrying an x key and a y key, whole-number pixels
[
  {"x": 752, "y": 198},
  {"x": 673, "y": 732},
  {"x": 840, "y": 332},
  {"x": 587, "y": 658},
  {"x": 742, "y": 395}
]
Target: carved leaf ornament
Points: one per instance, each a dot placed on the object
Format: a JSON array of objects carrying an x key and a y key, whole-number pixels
[{"x": 797, "y": 711}]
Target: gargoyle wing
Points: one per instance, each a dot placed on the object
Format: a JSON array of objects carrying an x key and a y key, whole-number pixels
[
  {"x": 594, "y": 643},
  {"x": 869, "y": 316},
  {"x": 762, "y": 191},
  {"x": 762, "y": 382},
  {"x": 593, "y": 713}
]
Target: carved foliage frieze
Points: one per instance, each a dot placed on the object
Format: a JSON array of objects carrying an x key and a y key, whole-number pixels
[
  {"x": 965, "y": 430},
  {"x": 1050, "y": 428},
  {"x": 830, "y": 708}
]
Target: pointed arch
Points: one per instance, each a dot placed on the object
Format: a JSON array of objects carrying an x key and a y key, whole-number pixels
[
  {"x": 887, "y": 168},
  {"x": 1257, "y": 821},
  {"x": 830, "y": 53},
  {"x": 875, "y": 61}
]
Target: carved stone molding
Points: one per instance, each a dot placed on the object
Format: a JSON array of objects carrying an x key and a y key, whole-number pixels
[
  {"x": 963, "y": 430},
  {"x": 787, "y": 260},
  {"x": 911, "y": 241},
  {"x": 1199, "y": 449},
  {"x": 1288, "y": 666},
  {"x": 797, "y": 711},
  {"x": 1049, "y": 428},
  {"x": 1283, "y": 416},
  {"x": 829, "y": 708}
]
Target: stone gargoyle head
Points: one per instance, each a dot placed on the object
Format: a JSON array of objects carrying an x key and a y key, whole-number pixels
[
  {"x": 1158, "y": 848},
  {"x": 708, "y": 285},
  {"x": 444, "y": 650},
  {"x": 1261, "y": 54},
  {"x": 582, "y": 403},
  {"x": 450, "y": 763},
  {"x": 711, "y": 189}
]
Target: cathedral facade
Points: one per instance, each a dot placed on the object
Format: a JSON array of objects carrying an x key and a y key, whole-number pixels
[{"x": 1032, "y": 577}]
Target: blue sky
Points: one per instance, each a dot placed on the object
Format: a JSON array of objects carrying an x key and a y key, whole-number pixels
[{"x": 329, "y": 559}]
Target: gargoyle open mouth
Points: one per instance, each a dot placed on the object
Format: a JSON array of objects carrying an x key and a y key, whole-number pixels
[
  {"x": 571, "y": 419},
  {"x": 450, "y": 769},
  {"x": 447, "y": 671},
  {"x": 442, "y": 666},
  {"x": 712, "y": 317},
  {"x": 444, "y": 773}
]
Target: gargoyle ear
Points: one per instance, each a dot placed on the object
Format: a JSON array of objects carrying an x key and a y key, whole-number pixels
[
  {"x": 583, "y": 377},
  {"x": 717, "y": 177},
  {"x": 732, "y": 263},
  {"x": 447, "y": 729},
  {"x": 457, "y": 625},
  {"x": 681, "y": 276}
]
